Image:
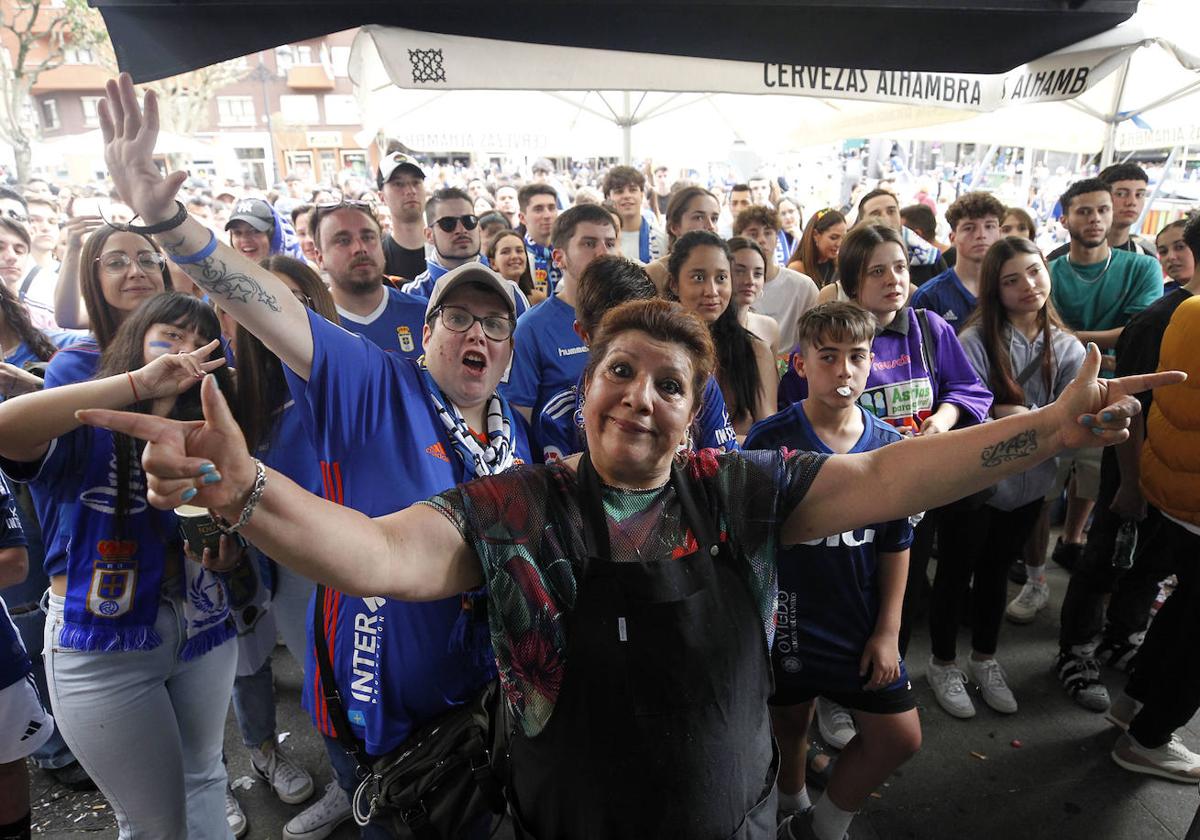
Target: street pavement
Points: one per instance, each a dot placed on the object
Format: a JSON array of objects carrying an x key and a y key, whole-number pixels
[{"x": 971, "y": 780}]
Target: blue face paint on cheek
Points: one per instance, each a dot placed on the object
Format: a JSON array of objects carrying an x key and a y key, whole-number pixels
[{"x": 161, "y": 345}]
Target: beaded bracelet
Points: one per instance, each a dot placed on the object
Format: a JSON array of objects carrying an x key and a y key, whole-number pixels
[
  {"x": 201, "y": 255},
  {"x": 260, "y": 484}
]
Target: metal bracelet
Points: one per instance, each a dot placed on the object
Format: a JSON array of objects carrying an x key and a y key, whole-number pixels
[{"x": 260, "y": 484}]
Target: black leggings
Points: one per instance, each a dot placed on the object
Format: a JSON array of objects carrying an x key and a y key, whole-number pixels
[{"x": 980, "y": 542}]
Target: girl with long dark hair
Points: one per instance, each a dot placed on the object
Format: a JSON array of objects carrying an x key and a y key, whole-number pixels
[
  {"x": 690, "y": 208},
  {"x": 817, "y": 251},
  {"x": 135, "y": 636},
  {"x": 699, "y": 277}
]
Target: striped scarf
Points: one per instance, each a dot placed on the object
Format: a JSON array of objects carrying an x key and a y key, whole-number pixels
[{"x": 497, "y": 456}]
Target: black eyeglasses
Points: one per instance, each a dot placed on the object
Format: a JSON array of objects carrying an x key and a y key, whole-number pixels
[
  {"x": 18, "y": 216},
  {"x": 449, "y": 223},
  {"x": 460, "y": 319}
]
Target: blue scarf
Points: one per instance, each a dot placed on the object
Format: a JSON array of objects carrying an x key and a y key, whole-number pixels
[
  {"x": 545, "y": 272},
  {"x": 115, "y": 565},
  {"x": 644, "y": 241}
]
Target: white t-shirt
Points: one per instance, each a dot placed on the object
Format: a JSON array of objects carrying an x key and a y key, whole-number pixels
[
  {"x": 785, "y": 299},
  {"x": 39, "y": 298}
]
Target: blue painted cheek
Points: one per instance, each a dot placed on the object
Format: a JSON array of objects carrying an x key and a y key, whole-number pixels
[{"x": 162, "y": 345}]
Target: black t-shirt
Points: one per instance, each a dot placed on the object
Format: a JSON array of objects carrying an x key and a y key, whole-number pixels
[
  {"x": 1132, "y": 244},
  {"x": 401, "y": 261},
  {"x": 1140, "y": 341}
]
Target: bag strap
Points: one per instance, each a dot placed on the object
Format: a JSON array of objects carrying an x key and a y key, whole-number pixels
[
  {"x": 33, "y": 272},
  {"x": 1030, "y": 369},
  {"x": 928, "y": 345},
  {"x": 329, "y": 689}
]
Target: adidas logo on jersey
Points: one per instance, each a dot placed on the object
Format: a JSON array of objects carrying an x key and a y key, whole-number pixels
[{"x": 438, "y": 451}]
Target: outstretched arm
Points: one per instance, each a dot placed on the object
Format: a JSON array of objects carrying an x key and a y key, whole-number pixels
[
  {"x": 256, "y": 298},
  {"x": 927, "y": 472},
  {"x": 28, "y": 423},
  {"x": 414, "y": 554}
]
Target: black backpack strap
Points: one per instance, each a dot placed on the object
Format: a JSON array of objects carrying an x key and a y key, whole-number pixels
[
  {"x": 1030, "y": 369},
  {"x": 928, "y": 344},
  {"x": 329, "y": 689},
  {"x": 33, "y": 272}
]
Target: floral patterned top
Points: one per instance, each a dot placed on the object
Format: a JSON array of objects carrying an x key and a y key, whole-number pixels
[{"x": 530, "y": 560}]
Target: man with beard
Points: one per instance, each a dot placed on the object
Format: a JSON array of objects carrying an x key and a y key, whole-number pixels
[
  {"x": 349, "y": 250},
  {"x": 402, "y": 188},
  {"x": 1096, "y": 288},
  {"x": 1130, "y": 187}
]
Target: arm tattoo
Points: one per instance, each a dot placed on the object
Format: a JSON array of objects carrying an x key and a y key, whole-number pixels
[
  {"x": 220, "y": 282},
  {"x": 1020, "y": 445}
]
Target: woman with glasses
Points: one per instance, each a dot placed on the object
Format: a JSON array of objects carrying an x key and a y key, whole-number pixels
[{"x": 137, "y": 659}]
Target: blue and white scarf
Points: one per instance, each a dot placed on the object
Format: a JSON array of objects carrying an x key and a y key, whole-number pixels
[
  {"x": 541, "y": 265},
  {"x": 479, "y": 461},
  {"x": 115, "y": 568}
]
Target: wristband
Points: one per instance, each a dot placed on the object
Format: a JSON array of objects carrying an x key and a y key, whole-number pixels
[
  {"x": 161, "y": 227},
  {"x": 260, "y": 484},
  {"x": 201, "y": 255},
  {"x": 133, "y": 387}
]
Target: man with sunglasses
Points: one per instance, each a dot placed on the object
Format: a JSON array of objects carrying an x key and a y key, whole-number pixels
[
  {"x": 452, "y": 228},
  {"x": 349, "y": 249}
]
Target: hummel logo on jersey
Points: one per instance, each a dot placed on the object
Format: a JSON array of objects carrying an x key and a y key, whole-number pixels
[{"x": 438, "y": 451}]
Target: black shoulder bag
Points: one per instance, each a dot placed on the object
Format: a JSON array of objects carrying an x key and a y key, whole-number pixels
[{"x": 440, "y": 780}]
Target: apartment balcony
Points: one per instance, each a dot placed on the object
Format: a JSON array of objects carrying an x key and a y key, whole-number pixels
[
  {"x": 81, "y": 77},
  {"x": 309, "y": 77}
]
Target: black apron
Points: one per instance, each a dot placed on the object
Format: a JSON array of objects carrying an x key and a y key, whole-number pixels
[{"x": 661, "y": 727}]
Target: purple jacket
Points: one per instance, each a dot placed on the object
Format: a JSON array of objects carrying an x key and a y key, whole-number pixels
[{"x": 900, "y": 388}]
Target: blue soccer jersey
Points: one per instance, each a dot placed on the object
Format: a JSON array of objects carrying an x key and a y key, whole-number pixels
[
  {"x": 548, "y": 356},
  {"x": 14, "y": 660},
  {"x": 556, "y": 431},
  {"x": 828, "y": 587},
  {"x": 947, "y": 296},
  {"x": 382, "y": 448},
  {"x": 395, "y": 325}
]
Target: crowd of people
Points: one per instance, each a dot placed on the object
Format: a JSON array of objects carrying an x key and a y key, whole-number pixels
[{"x": 669, "y": 463}]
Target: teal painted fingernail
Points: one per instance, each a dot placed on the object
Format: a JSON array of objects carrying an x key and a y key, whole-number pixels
[
  {"x": 1107, "y": 416},
  {"x": 1087, "y": 420},
  {"x": 207, "y": 468},
  {"x": 1098, "y": 430},
  {"x": 189, "y": 493},
  {"x": 211, "y": 478}
]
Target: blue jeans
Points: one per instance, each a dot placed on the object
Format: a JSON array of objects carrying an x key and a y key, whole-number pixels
[
  {"x": 254, "y": 695},
  {"x": 147, "y": 726}
]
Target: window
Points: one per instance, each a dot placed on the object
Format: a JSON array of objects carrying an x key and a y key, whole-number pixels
[
  {"x": 299, "y": 163},
  {"x": 77, "y": 55},
  {"x": 299, "y": 109},
  {"x": 341, "y": 61},
  {"x": 356, "y": 161},
  {"x": 235, "y": 110},
  {"x": 50, "y": 114},
  {"x": 342, "y": 109},
  {"x": 91, "y": 114},
  {"x": 304, "y": 54},
  {"x": 284, "y": 59}
]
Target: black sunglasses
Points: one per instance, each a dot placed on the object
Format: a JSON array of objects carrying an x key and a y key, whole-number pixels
[
  {"x": 18, "y": 216},
  {"x": 449, "y": 223}
]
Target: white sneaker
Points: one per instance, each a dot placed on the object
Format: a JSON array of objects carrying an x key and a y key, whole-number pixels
[
  {"x": 949, "y": 685},
  {"x": 993, "y": 685},
  {"x": 234, "y": 814},
  {"x": 835, "y": 723},
  {"x": 291, "y": 783},
  {"x": 322, "y": 818},
  {"x": 1171, "y": 761},
  {"x": 1032, "y": 598}
]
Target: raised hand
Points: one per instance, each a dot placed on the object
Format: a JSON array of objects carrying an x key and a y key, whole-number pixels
[
  {"x": 77, "y": 228},
  {"x": 129, "y": 138},
  {"x": 173, "y": 373},
  {"x": 203, "y": 462},
  {"x": 1096, "y": 412}
]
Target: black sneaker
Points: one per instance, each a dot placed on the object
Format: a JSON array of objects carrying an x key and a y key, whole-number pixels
[
  {"x": 1079, "y": 673},
  {"x": 1067, "y": 554},
  {"x": 1017, "y": 573},
  {"x": 72, "y": 776}
]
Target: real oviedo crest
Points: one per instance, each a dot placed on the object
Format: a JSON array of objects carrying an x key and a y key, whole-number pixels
[
  {"x": 405, "y": 336},
  {"x": 114, "y": 579}
]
